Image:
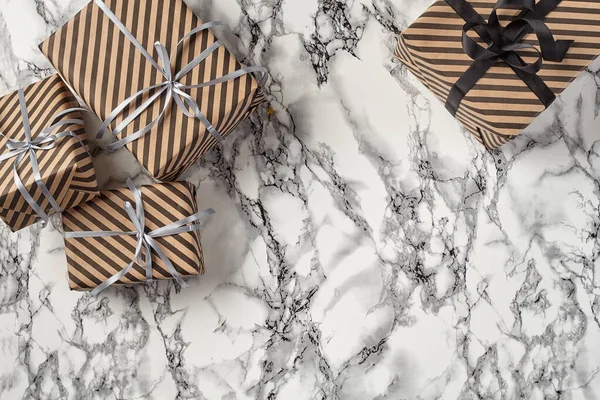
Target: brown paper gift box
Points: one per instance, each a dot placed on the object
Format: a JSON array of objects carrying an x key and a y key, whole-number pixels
[
  {"x": 501, "y": 105},
  {"x": 67, "y": 169},
  {"x": 104, "y": 68},
  {"x": 92, "y": 261}
]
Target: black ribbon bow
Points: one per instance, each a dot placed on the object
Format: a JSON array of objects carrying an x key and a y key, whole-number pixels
[{"x": 505, "y": 43}]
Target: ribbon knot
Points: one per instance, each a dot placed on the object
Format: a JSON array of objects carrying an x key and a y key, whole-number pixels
[
  {"x": 45, "y": 141},
  {"x": 146, "y": 243},
  {"x": 171, "y": 88},
  {"x": 506, "y": 44},
  {"x": 39, "y": 143}
]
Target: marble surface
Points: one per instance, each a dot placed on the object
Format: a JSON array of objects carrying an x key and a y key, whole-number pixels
[{"x": 365, "y": 246}]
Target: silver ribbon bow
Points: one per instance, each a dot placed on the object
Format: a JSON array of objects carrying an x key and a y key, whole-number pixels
[
  {"x": 19, "y": 149},
  {"x": 145, "y": 240},
  {"x": 171, "y": 87}
]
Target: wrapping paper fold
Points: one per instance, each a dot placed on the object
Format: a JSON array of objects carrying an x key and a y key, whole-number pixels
[
  {"x": 500, "y": 105},
  {"x": 104, "y": 68},
  {"x": 67, "y": 169},
  {"x": 91, "y": 261}
]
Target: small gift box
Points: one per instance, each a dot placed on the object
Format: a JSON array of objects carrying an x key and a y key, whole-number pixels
[
  {"x": 498, "y": 64},
  {"x": 134, "y": 235},
  {"x": 157, "y": 76},
  {"x": 45, "y": 166}
]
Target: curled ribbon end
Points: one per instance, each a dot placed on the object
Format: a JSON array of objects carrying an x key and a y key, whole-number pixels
[
  {"x": 219, "y": 138},
  {"x": 563, "y": 48}
]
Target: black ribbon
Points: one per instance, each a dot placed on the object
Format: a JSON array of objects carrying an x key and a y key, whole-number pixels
[{"x": 505, "y": 44}]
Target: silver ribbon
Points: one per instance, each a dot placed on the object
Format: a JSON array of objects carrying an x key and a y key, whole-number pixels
[
  {"x": 171, "y": 87},
  {"x": 145, "y": 240},
  {"x": 44, "y": 142}
]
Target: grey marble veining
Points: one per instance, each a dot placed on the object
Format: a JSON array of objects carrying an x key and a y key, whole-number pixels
[{"x": 365, "y": 246}]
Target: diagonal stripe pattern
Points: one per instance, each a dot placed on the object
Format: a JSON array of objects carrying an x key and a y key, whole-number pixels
[
  {"x": 104, "y": 68},
  {"x": 67, "y": 169},
  {"x": 92, "y": 261},
  {"x": 501, "y": 105}
]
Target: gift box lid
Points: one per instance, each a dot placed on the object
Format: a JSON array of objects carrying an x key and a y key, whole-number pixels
[
  {"x": 92, "y": 261},
  {"x": 104, "y": 68},
  {"x": 66, "y": 168},
  {"x": 500, "y": 105}
]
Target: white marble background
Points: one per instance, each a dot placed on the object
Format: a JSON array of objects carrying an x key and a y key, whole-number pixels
[{"x": 365, "y": 246}]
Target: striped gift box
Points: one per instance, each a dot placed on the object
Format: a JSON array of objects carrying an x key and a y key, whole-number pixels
[
  {"x": 67, "y": 169},
  {"x": 104, "y": 68},
  {"x": 92, "y": 261},
  {"x": 500, "y": 105}
]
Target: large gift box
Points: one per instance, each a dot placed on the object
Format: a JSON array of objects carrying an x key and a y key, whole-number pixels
[
  {"x": 498, "y": 64},
  {"x": 43, "y": 154},
  {"x": 102, "y": 238},
  {"x": 103, "y": 53}
]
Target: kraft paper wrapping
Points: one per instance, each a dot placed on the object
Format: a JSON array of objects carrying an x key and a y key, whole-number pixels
[
  {"x": 104, "y": 68},
  {"x": 67, "y": 169},
  {"x": 501, "y": 105},
  {"x": 92, "y": 261}
]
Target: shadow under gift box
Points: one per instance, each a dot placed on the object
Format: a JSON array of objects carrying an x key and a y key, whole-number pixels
[
  {"x": 66, "y": 169},
  {"x": 92, "y": 261},
  {"x": 105, "y": 69},
  {"x": 500, "y": 105}
]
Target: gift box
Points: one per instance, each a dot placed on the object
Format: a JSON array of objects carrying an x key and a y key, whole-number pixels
[
  {"x": 49, "y": 114},
  {"x": 101, "y": 236},
  {"x": 495, "y": 68},
  {"x": 105, "y": 67}
]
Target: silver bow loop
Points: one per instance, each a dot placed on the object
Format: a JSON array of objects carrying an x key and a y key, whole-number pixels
[
  {"x": 146, "y": 243},
  {"x": 171, "y": 88}
]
